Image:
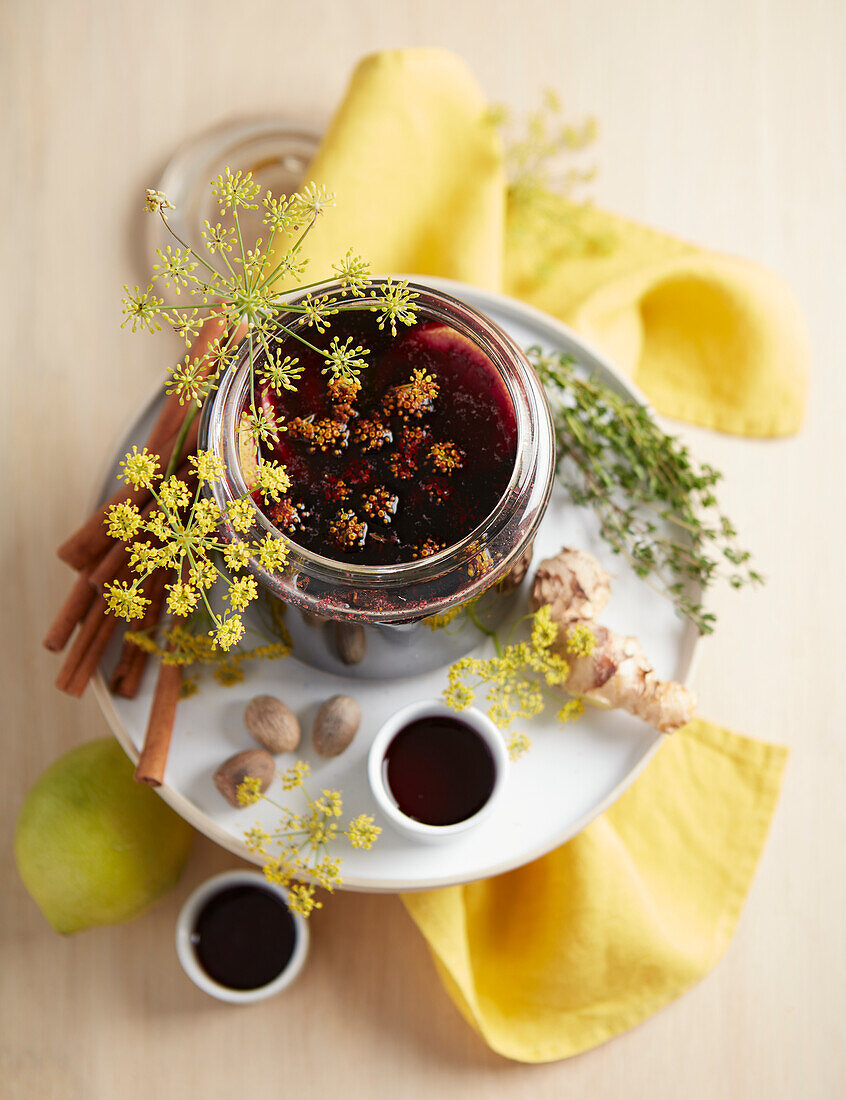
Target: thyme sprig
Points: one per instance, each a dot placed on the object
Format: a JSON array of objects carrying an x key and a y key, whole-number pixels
[{"x": 655, "y": 504}]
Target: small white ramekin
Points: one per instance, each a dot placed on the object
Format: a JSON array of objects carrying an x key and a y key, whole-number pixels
[
  {"x": 186, "y": 923},
  {"x": 417, "y": 830}
]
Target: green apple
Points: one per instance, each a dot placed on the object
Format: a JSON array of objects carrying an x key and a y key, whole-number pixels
[{"x": 93, "y": 846}]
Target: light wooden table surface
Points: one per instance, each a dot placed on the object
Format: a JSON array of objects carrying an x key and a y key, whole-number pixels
[{"x": 723, "y": 122}]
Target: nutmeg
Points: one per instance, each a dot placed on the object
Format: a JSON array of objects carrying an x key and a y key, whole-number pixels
[
  {"x": 310, "y": 618},
  {"x": 253, "y": 763},
  {"x": 272, "y": 724},
  {"x": 335, "y": 725},
  {"x": 350, "y": 642}
]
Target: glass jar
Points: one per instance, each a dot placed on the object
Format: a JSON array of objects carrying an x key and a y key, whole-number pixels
[{"x": 388, "y": 605}]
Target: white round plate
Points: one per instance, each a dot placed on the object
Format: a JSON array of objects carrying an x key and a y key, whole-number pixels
[{"x": 571, "y": 774}]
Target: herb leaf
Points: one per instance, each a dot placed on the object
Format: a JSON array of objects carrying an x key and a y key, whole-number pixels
[{"x": 655, "y": 504}]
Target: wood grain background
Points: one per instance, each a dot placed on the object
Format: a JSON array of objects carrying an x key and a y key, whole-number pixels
[{"x": 723, "y": 122}]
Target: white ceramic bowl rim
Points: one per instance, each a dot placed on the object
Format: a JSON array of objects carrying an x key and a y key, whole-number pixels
[
  {"x": 186, "y": 922},
  {"x": 478, "y": 722}
]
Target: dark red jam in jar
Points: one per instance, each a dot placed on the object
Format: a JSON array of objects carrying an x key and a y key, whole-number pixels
[
  {"x": 439, "y": 770},
  {"x": 447, "y": 446},
  {"x": 404, "y": 466}
]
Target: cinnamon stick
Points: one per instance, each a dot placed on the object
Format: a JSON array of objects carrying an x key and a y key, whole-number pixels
[
  {"x": 153, "y": 758},
  {"x": 82, "y": 641},
  {"x": 94, "y": 636},
  {"x": 91, "y": 540},
  {"x": 126, "y": 678},
  {"x": 109, "y": 566},
  {"x": 77, "y": 603},
  {"x": 189, "y": 447},
  {"x": 90, "y": 660},
  {"x": 86, "y": 543},
  {"x": 172, "y": 413},
  {"x": 96, "y": 632}
]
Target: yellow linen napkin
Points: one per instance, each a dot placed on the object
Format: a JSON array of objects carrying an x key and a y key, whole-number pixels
[
  {"x": 420, "y": 182},
  {"x": 551, "y": 959},
  {"x": 417, "y": 172},
  {"x": 711, "y": 339},
  {"x": 558, "y": 956}
]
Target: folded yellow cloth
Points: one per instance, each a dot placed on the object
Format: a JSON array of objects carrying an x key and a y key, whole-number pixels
[
  {"x": 558, "y": 956},
  {"x": 710, "y": 339},
  {"x": 553, "y": 958},
  {"x": 418, "y": 171}
]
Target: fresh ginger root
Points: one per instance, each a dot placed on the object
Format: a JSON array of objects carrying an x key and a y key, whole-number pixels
[
  {"x": 616, "y": 673},
  {"x": 574, "y": 585}
]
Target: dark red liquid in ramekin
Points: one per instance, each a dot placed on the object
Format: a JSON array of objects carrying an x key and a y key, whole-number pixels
[
  {"x": 439, "y": 770},
  {"x": 244, "y": 937},
  {"x": 431, "y": 509}
]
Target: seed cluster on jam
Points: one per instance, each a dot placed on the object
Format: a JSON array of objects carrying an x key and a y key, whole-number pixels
[
  {"x": 380, "y": 464},
  {"x": 410, "y": 449}
]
